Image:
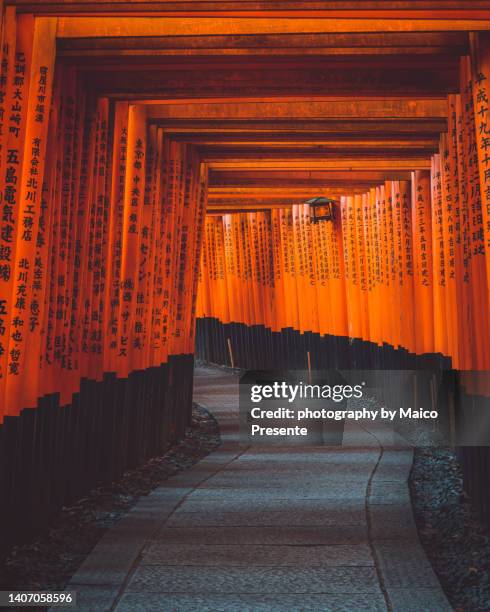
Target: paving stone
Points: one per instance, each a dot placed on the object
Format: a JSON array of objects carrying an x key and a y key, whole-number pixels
[
  {"x": 142, "y": 602},
  {"x": 355, "y": 439},
  {"x": 273, "y": 535},
  {"x": 392, "y": 521},
  {"x": 221, "y": 580},
  {"x": 387, "y": 437},
  {"x": 281, "y": 477},
  {"x": 278, "y": 502},
  {"x": 418, "y": 600},
  {"x": 336, "y": 473},
  {"x": 313, "y": 457},
  {"x": 403, "y": 563},
  {"x": 254, "y": 555},
  {"x": 218, "y": 457},
  {"x": 209, "y": 493},
  {"x": 385, "y": 493},
  {"x": 331, "y": 516},
  {"x": 229, "y": 435},
  {"x": 189, "y": 479},
  {"x": 114, "y": 555},
  {"x": 395, "y": 465},
  {"x": 293, "y": 466},
  {"x": 227, "y": 480},
  {"x": 169, "y": 493},
  {"x": 338, "y": 454}
]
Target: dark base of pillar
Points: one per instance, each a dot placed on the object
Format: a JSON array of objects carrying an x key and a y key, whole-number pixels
[
  {"x": 258, "y": 348},
  {"x": 52, "y": 455}
]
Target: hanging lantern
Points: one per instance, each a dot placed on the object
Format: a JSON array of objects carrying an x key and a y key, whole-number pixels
[{"x": 322, "y": 209}]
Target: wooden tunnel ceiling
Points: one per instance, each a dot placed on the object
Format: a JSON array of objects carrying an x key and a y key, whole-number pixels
[{"x": 284, "y": 100}]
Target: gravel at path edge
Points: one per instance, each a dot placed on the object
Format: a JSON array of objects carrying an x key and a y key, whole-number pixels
[{"x": 457, "y": 544}]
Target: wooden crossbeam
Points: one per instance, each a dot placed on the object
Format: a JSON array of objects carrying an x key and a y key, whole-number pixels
[
  {"x": 270, "y": 51},
  {"x": 347, "y": 150},
  {"x": 213, "y": 77},
  {"x": 279, "y": 141},
  {"x": 253, "y": 7},
  {"x": 241, "y": 186},
  {"x": 293, "y": 192},
  {"x": 322, "y": 126},
  {"x": 275, "y": 178},
  {"x": 348, "y": 40},
  {"x": 325, "y": 44},
  {"x": 314, "y": 164},
  {"x": 248, "y": 207},
  {"x": 369, "y": 109},
  {"x": 83, "y": 27},
  {"x": 213, "y": 154}
]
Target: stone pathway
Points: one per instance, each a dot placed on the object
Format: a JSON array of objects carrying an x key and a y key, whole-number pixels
[{"x": 264, "y": 529}]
